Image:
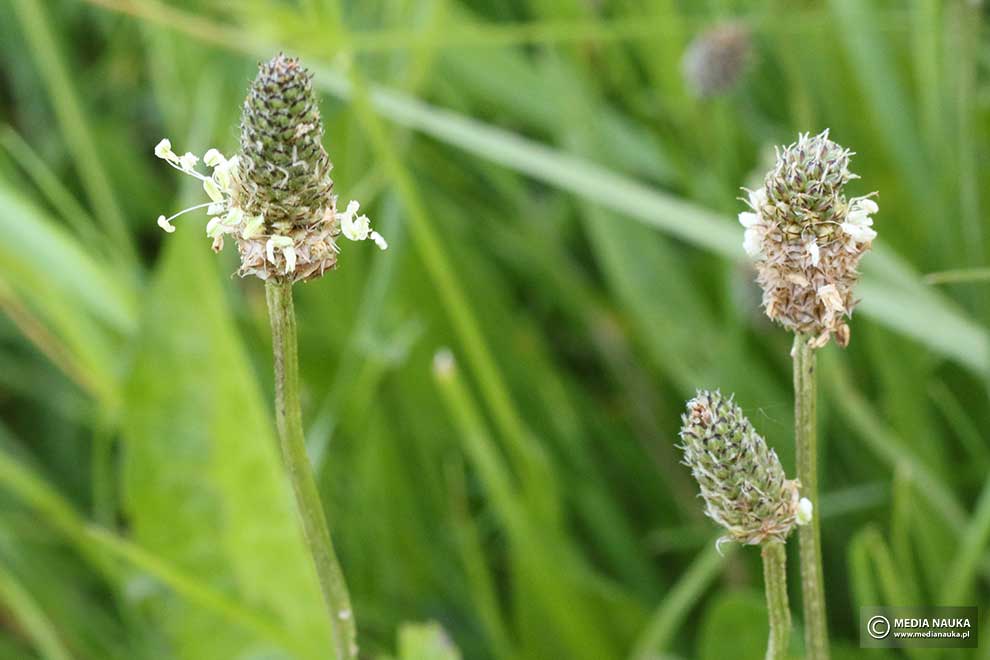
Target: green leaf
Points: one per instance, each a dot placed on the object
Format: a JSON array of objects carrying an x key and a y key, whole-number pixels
[
  {"x": 29, "y": 615},
  {"x": 735, "y": 625},
  {"x": 425, "y": 641},
  {"x": 680, "y": 600},
  {"x": 204, "y": 485}
]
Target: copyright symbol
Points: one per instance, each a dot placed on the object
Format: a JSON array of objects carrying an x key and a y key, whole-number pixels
[{"x": 878, "y": 627}]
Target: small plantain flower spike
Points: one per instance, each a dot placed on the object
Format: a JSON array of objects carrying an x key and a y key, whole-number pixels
[
  {"x": 275, "y": 198},
  {"x": 741, "y": 479},
  {"x": 717, "y": 59},
  {"x": 807, "y": 238}
]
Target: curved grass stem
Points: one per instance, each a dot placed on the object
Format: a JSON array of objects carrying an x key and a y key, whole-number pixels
[
  {"x": 288, "y": 417},
  {"x": 806, "y": 446}
]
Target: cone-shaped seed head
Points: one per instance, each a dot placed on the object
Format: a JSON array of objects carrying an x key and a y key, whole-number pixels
[
  {"x": 741, "y": 479},
  {"x": 284, "y": 170},
  {"x": 808, "y": 238},
  {"x": 275, "y": 198},
  {"x": 283, "y": 176}
]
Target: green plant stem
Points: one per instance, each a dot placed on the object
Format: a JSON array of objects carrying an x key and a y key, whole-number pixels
[
  {"x": 775, "y": 583},
  {"x": 806, "y": 446},
  {"x": 288, "y": 418}
]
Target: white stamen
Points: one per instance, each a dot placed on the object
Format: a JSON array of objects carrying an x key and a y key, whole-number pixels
[
  {"x": 282, "y": 243},
  {"x": 253, "y": 227},
  {"x": 212, "y": 190},
  {"x": 213, "y": 158},
  {"x": 164, "y": 223},
  {"x": 188, "y": 160},
  {"x": 164, "y": 149},
  {"x": 194, "y": 173},
  {"x": 379, "y": 240},
  {"x": 356, "y": 229},
  {"x": 168, "y": 220},
  {"x": 748, "y": 219},
  {"x": 753, "y": 241}
]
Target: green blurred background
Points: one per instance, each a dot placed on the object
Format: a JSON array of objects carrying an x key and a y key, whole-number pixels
[{"x": 561, "y": 206}]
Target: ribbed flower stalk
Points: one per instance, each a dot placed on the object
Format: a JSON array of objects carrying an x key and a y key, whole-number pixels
[
  {"x": 745, "y": 491},
  {"x": 775, "y": 585},
  {"x": 288, "y": 418},
  {"x": 807, "y": 239},
  {"x": 275, "y": 199},
  {"x": 283, "y": 177},
  {"x": 809, "y": 537}
]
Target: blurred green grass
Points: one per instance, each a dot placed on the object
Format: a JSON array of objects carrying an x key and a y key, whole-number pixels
[{"x": 561, "y": 215}]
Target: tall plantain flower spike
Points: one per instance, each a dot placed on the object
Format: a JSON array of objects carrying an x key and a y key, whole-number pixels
[
  {"x": 741, "y": 479},
  {"x": 807, "y": 238},
  {"x": 275, "y": 198}
]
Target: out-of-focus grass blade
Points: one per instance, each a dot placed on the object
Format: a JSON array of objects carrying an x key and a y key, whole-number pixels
[
  {"x": 862, "y": 579},
  {"x": 879, "y": 438},
  {"x": 528, "y": 455},
  {"x": 46, "y": 180},
  {"x": 73, "y": 122},
  {"x": 426, "y": 641},
  {"x": 479, "y": 577},
  {"x": 682, "y": 219},
  {"x": 544, "y": 573},
  {"x": 961, "y": 423},
  {"x": 936, "y": 325},
  {"x": 98, "y": 545},
  {"x": 957, "y": 276},
  {"x": 32, "y": 619},
  {"x": 33, "y": 243},
  {"x": 971, "y": 551},
  {"x": 79, "y": 304},
  {"x": 877, "y": 554},
  {"x": 902, "y": 518},
  {"x": 734, "y": 626},
  {"x": 884, "y": 96},
  {"x": 195, "y": 591},
  {"x": 35, "y": 492},
  {"x": 678, "y": 602}
]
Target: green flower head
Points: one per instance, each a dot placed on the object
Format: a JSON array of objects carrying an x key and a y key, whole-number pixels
[
  {"x": 741, "y": 479},
  {"x": 275, "y": 198}
]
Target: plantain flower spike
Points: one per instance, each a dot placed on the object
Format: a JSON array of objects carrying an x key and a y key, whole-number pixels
[
  {"x": 715, "y": 61},
  {"x": 275, "y": 198},
  {"x": 741, "y": 479},
  {"x": 807, "y": 238}
]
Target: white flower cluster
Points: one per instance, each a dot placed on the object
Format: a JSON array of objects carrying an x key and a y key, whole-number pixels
[
  {"x": 751, "y": 221},
  {"x": 217, "y": 187},
  {"x": 858, "y": 224},
  {"x": 227, "y": 218},
  {"x": 358, "y": 227}
]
